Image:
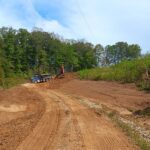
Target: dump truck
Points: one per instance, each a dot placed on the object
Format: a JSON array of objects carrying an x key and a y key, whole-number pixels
[{"x": 38, "y": 78}]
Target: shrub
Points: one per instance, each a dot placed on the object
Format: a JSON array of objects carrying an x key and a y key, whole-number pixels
[{"x": 128, "y": 71}]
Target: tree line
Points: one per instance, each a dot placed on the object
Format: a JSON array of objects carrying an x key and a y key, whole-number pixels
[{"x": 24, "y": 52}]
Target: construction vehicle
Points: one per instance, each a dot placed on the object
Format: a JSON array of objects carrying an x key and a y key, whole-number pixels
[
  {"x": 38, "y": 78},
  {"x": 61, "y": 73}
]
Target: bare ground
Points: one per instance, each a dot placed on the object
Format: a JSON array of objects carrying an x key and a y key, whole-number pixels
[
  {"x": 16, "y": 123},
  {"x": 50, "y": 116},
  {"x": 123, "y": 98}
]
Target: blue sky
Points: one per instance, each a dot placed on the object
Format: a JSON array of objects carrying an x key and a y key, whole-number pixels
[{"x": 97, "y": 21}]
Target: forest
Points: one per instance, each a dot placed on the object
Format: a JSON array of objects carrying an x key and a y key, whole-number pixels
[{"x": 24, "y": 53}]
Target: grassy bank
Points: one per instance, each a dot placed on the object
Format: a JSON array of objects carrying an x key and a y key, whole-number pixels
[
  {"x": 12, "y": 81},
  {"x": 135, "y": 71}
]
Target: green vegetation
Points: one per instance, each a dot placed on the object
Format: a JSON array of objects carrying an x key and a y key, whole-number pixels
[
  {"x": 128, "y": 71},
  {"x": 144, "y": 112},
  {"x": 24, "y": 53},
  {"x": 13, "y": 81}
]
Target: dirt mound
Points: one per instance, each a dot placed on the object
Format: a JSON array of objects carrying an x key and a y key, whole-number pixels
[{"x": 57, "y": 83}]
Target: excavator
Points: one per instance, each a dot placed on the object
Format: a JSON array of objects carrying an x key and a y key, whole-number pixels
[{"x": 61, "y": 73}]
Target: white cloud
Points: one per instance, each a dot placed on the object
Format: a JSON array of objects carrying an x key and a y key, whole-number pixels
[
  {"x": 98, "y": 21},
  {"x": 27, "y": 17},
  {"x": 111, "y": 21},
  {"x": 53, "y": 26}
]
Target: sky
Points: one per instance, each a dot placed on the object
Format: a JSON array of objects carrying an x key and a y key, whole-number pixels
[{"x": 97, "y": 21}]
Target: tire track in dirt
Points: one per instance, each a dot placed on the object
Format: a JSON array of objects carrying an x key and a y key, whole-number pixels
[
  {"x": 45, "y": 129},
  {"x": 56, "y": 129},
  {"x": 69, "y": 125},
  {"x": 98, "y": 132},
  {"x": 70, "y": 136}
]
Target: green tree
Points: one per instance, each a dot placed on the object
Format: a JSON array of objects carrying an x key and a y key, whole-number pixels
[
  {"x": 86, "y": 54},
  {"x": 121, "y": 51},
  {"x": 40, "y": 56},
  {"x": 8, "y": 35},
  {"x": 2, "y": 75},
  {"x": 134, "y": 51}
]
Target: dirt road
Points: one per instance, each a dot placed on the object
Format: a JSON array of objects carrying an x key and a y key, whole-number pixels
[
  {"x": 40, "y": 117},
  {"x": 67, "y": 124}
]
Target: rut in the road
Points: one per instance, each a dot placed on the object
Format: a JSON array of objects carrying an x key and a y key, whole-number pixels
[
  {"x": 58, "y": 128},
  {"x": 68, "y": 125},
  {"x": 98, "y": 132}
]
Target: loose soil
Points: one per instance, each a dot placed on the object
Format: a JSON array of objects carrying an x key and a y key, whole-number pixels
[{"x": 50, "y": 116}]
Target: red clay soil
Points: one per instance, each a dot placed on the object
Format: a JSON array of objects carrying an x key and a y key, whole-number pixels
[
  {"x": 57, "y": 83},
  {"x": 15, "y": 122},
  {"x": 123, "y": 98},
  {"x": 49, "y": 116},
  {"x": 68, "y": 125},
  {"x": 111, "y": 93}
]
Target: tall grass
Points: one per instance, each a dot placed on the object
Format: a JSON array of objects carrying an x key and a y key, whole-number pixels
[
  {"x": 12, "y": 81},
  {"x": 133, "y": 71}
]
